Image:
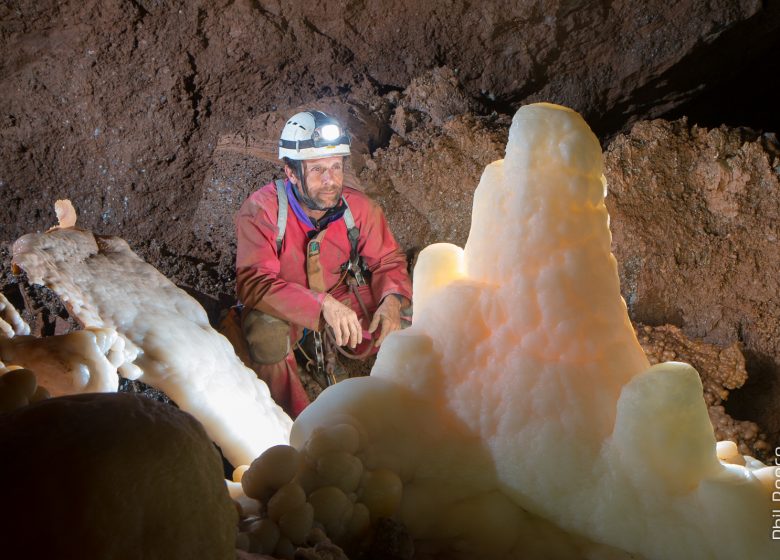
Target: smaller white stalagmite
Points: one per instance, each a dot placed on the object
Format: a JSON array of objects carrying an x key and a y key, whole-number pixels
[
  {"x": 519, "y": 414},
  {"x": 137, "y": 322},
  {"x": 66, "y": 214}
]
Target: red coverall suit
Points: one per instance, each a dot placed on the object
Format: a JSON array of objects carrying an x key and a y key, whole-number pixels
[{"x": 277, "y": 284}]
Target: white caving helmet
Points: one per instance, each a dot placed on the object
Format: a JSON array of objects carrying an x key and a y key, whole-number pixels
[{"x": 312, "y": 135}]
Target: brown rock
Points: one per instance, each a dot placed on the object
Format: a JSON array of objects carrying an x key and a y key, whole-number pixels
[
  {"x": 111, "y": 476},
  {"x": 403, "y": 121},
  {"x": 696, "y": 223},
  {"x": 439, "y": 95},
  {"x": 119, "y": 106},
  {"x": 426, "y": 181}
]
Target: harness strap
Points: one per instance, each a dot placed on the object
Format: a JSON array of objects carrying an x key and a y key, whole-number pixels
[
  {"x": 313, "y": 266},
  {"x": 354, "y": 265},
  {"x": 281, "y": 217},
  {"x": 353, "y": 233}
]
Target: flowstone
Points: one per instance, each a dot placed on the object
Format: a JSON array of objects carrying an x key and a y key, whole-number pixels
[{"x": 139, "y": 324}]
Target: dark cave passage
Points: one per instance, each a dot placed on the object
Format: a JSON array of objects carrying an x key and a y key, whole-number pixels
[{"x": 747, "y": 95}]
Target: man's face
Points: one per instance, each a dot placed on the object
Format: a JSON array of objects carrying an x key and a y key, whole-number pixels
[{"x": 324, "y": 180}]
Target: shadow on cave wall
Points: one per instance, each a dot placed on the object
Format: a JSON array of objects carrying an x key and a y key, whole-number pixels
[
  {"x": 746, "y": 96},
  {"x": 757, "y": 399}
]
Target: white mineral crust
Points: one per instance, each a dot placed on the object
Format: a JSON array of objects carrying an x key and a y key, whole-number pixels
[
  {"x": 11, "y": 323},
  {"x": 520, "y": 393},
  {"x": 77, "y": 362},
  {"x": 139, "y": 323}
]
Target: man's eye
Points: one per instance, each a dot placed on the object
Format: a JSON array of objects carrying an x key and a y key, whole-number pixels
[{"x": 316, "y": 169}]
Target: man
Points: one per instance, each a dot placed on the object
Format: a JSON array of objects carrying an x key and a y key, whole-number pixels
[{"x": 310, "y": 251}]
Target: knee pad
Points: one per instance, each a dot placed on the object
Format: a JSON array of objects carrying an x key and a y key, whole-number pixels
[{"x": 267, "y": 337}]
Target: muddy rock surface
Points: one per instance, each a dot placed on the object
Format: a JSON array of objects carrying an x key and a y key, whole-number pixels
[
  {"x": 696, "y": 230},
  {"x": 119, "y": 105},
  {"x": 425, "y": 180}
]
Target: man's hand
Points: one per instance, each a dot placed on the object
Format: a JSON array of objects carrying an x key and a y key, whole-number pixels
[
  {"x": 343, "y": 321},
  {"x": 389, "y": 314}
]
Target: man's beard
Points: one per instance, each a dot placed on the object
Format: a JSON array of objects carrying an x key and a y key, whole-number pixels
[{"x": 333, "y": 199}]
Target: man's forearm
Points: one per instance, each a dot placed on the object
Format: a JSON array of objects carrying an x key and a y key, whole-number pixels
[
  {"x": 403, "y": 300},
  {"x": 289, "y": 301}
]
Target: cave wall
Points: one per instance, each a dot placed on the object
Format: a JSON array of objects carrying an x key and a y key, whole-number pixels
[
  {"x": 696, "y": 222},
  {"x": 118, "y": 105}
]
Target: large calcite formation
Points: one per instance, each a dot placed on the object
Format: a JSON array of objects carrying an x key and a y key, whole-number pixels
[
  {"x": 521, "y": 394},
  {"x": 139, "y": 324}
]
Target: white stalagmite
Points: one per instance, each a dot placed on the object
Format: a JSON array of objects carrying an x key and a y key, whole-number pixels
[
  {"x": 66, "y": 214},
  {"x": 139, "y": 322},
  {"x": 519, "y": 405}
]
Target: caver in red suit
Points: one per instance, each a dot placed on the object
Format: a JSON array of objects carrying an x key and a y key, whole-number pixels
[{"x": 277, "y": 284}]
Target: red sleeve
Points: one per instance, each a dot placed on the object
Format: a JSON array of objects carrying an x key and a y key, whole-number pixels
[
  {"x": 257, "y": 267},
  {"x": 383, "y": 256}
]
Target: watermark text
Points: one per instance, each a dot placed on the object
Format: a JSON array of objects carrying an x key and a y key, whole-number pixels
[{"x": 776, "y": 498}]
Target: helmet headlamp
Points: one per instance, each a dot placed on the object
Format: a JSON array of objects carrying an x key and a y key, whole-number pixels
[{"x": 329, "y": 132}]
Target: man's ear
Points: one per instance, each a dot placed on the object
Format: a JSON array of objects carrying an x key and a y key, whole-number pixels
[{"x": 290, "y": 174}]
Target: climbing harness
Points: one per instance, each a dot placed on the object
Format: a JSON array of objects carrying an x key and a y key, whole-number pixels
[{"x": 355, "y": 265}]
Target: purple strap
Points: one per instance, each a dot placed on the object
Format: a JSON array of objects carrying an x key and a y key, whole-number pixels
[{"x": 292, "y": 199}]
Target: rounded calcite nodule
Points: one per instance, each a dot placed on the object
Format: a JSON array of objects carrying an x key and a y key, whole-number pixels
[
  {"x": 289, "y": 497},
  {"x": 18, "y": 388},
  {"x": 274, "y": 468},
  {"x": 111, "y": 476}
]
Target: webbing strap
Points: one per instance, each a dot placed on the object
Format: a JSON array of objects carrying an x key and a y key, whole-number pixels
[
  {"x": 353, "y": 233},
  {"x": 281, "y": 217}
]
